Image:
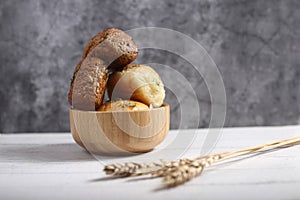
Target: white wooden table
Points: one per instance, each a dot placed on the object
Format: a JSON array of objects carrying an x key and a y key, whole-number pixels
[{"x": 52, "y": 166}]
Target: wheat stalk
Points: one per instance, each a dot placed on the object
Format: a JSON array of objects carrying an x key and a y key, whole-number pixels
[{"x": 180, "y": 171}]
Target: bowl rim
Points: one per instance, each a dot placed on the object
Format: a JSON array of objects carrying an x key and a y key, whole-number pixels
[{"x": 163, "y": 106}]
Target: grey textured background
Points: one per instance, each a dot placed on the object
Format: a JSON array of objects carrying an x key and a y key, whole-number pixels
[{"x": 256, "y": 45}]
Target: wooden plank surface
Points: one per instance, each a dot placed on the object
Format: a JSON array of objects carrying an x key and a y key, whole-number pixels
[{"x": 52, "y": 166}]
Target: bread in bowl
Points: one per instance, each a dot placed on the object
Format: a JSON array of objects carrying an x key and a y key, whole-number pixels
[{"x": 137, "y": 82}]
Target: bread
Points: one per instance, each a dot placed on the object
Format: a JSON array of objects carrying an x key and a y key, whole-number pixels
[
  {"x": 109, "y": 50},
  {"x": 137, "y": 82},
  {"x": 87, "y": 90},
  {"x": 123, "y": 105},
  {"x": 113, "y": 46}
]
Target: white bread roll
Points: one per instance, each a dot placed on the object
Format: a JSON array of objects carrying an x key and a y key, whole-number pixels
[{"x": 137, "y": 82}]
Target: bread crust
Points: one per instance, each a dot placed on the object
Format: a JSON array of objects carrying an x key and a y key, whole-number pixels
[{"x": 109, "y": 50}]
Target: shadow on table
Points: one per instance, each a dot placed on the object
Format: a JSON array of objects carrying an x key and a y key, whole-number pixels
[{"x": 64, "y": 152}]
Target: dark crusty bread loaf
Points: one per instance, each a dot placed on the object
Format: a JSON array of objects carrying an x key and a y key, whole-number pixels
[
  {"x": 88, "y": 87},
  {"x": 109, "y": 50},
  {"x": 113, "y": 46}
]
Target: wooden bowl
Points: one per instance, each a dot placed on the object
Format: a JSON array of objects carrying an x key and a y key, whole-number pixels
[{"x": 120, "y": 131}]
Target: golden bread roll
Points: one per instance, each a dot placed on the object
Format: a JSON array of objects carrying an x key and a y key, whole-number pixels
[
  {"x": 123, "y": 105},
  {"x": 137, "y": 82},
  {"x": 109, "y": 50}
]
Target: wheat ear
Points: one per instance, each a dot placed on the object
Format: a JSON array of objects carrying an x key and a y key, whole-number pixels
[{"x": 180, "y": 171}]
